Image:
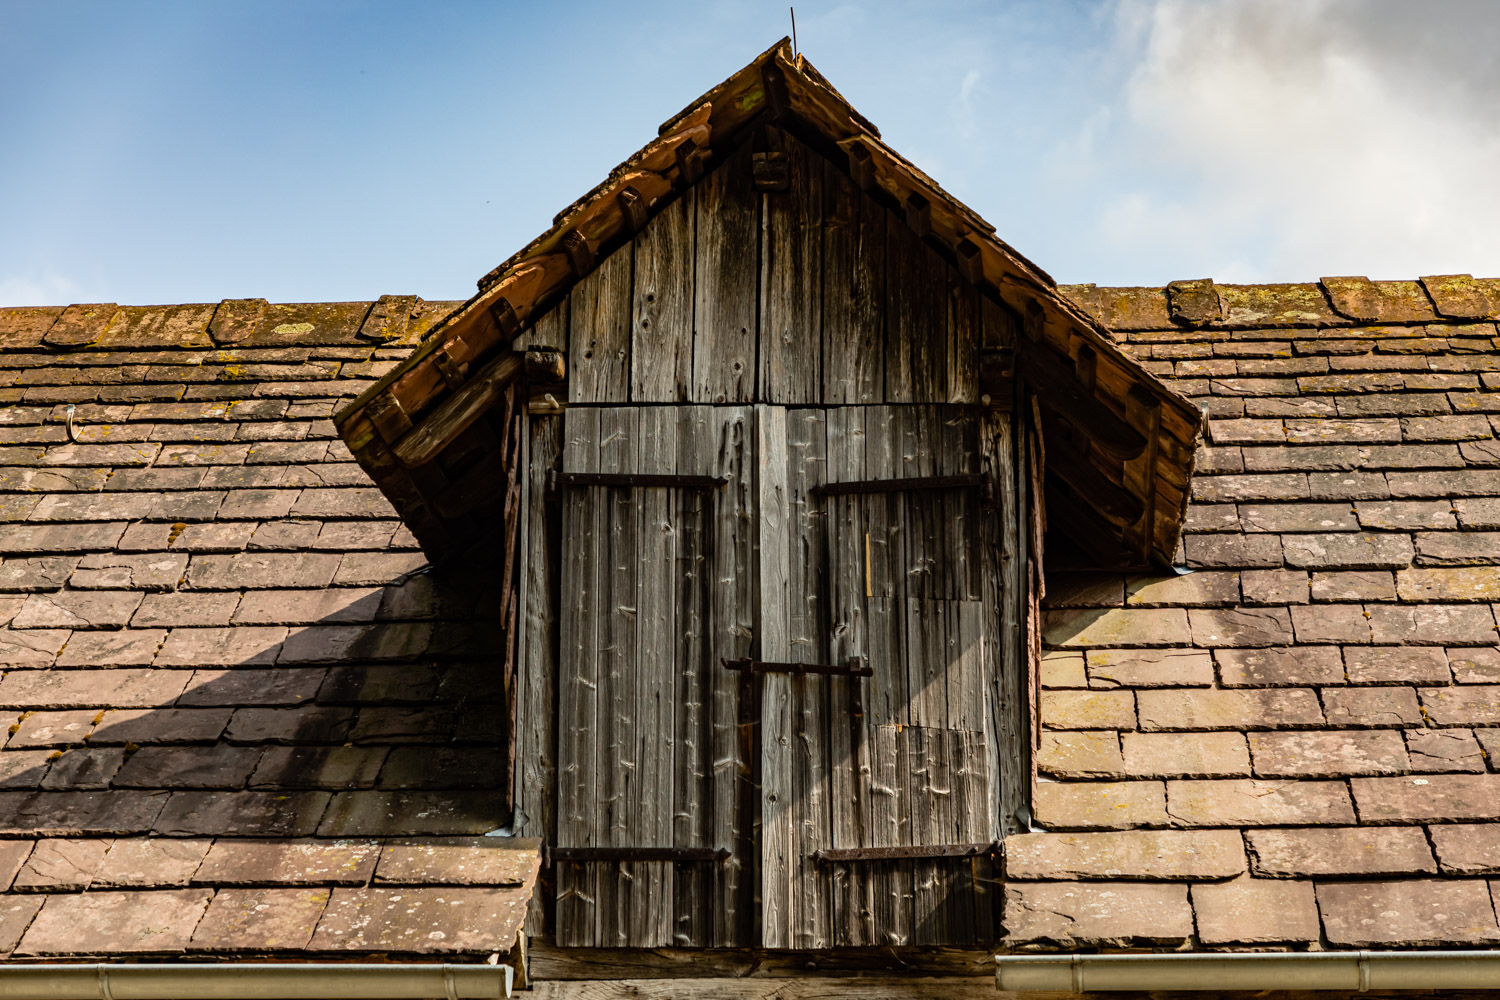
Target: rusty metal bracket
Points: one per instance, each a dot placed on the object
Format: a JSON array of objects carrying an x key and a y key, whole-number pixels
[
  {"x": 841, "y": 855},
  {"x": 583, "y": 854},
  {"x": 557, "y": 480},
  {"x": 856, "y": 667},
  {"x": 985, "y": 483}
]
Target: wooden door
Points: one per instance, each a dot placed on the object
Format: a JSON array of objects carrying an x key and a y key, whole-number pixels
[
  {"x": 657, "y": 586},
  {"x": 880, "y": 793}
]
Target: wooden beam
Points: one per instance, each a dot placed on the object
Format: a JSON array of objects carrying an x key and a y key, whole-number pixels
[
  {"x": 1114, "y": 502},
  {"x": 771, "y": 172},
  {"x": 580, "y": 254},
  {"x": 632, "y": 208},
  {"x": 544, "y": 364},
  {"x": 505, "y": 318},
  {"x": 919, "y": 215},
  {"x": 1143, "y": 412},
  {"x": 454, "y": 414},
  {"x": 970, "y": 261},
  {"x": 1086, "y": 367},
  {"x": 690, "y": 161},
  {"x": 861, "y": 166},
  {"x": 1058, "y": 388},
  {"x": 390, "y": 420}
]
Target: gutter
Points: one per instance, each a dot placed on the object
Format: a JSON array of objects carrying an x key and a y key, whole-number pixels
[
  {"x": 254, "y": 981},
  {"x": 1351, "y": 970}
]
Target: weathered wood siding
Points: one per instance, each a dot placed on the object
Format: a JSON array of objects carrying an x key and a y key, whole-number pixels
[
  {"x": 814, "y": 296},
  {"x": 807, "y": 337}
]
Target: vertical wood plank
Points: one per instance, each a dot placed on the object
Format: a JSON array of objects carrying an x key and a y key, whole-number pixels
[
  {"x": 724, "y": 289},
  {"x": 599, "y": 332},
  {"x": 854, "y": 303},
  {"x": 579, "y": 629},
  {"x": 903, "y": 313},
  {"x": 661, "y": 342},
  {"x": 883, "y": 558},
  {"x": 618, "y": 745},
  {"x": 692, "y": 883},
  {"x": 537, "y": 793},
  {"x": 550, "y": 329},
  {"x": 1004, "y": 597},
  {"x": 791, "y": 335},
  {"x": 807, "y": 467},
  {"x": 962, "y": 349},
  {"x": 929, "y": 340},
  {"x": 849, "y": 747},
  {"x": 727, "y": 437},
  {"x": 778, "y": 842},
  {"x": 651, "y": 702}
]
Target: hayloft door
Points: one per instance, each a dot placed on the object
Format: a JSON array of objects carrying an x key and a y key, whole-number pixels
[
  {"x": 658, "y": 583},
  {"x": 878, "y": 763}
]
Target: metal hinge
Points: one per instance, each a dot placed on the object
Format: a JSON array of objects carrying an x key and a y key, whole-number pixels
[
  {"x": 580, "y": 854},
  {"x": 854, "y": 668},
  {"x": 840, "y": 855},
  {"x": 555, "y": 480}
]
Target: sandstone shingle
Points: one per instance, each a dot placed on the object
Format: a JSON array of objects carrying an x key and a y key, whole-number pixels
[
  {"x": 1430, "y": 798},
  {"x": 406, "y": 919},
  {"x": 1328, "y": 754},
  {"x": 1412, "y": 913},
  {"x": 1352, "y": 851},
  {"x": 1467, "y": 848},
  {"x": 1388, "y": 707},
  {"x": 115, "y": 922},
  {"x": 1253, "y": 802},
  {"x": 1100, "y": 804},
  {"x": 1192, "y": 708},
  {"x": 1145, "y": 854},
  {"x": 1185, "y": 755},
  {"x": 1249, "y": 910},
  {"x": 1068, "y": 914},
  {"x": 1141, "y": 668},
  {"x": 1396, "y": 665}
]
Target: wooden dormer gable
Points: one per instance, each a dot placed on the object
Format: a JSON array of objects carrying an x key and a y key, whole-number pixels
[{"x": 696, "y": 239}]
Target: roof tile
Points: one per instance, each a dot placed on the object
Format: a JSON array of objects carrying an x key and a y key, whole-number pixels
[
  {"x": 427, "y": 920},
  {"x": 115, "y": 922}
]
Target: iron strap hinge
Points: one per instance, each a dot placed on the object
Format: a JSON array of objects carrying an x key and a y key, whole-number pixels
[
  {"x": 559, "y": 479},
  {"x": 578, "y": 854},
  {"x": 856, "y": 667},
  {"x": 839, "y": 855},
  {"x": 985, "y": 483}
]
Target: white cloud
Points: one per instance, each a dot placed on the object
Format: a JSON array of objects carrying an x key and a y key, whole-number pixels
[
  {"x": 1311, "y": 137},
  {"x": 37, "y": 288}
]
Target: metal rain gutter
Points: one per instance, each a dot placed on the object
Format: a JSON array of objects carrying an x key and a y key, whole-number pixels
[
  {"x": 255, "y": 981},
  {"x": 1350, "y": 970}
]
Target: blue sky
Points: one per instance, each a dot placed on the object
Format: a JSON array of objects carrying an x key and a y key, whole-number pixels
[{"x": 192, "y": 151}]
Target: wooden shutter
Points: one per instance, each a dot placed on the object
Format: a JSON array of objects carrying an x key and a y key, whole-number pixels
[
  {"x": 907, "y": 757},
  {"x": 657, "y": 586}
]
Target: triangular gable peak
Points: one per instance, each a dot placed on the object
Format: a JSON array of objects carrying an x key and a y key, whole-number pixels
[{"x": 950, "y": 314}]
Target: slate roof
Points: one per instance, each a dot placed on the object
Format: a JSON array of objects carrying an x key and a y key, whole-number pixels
[
  {"x": 1297, "y": 743},
  {"x": 242, "y": 717}
]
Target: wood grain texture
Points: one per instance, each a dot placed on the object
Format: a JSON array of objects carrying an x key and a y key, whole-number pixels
[
  {"x": 599, "y": 332},
  {"x": 580, "y": 611},
  {"x": 853, "y": 293},
  {"x": 725, "y": 295},
  {"x": 778, "y": 837},
  {"x": 791, "y": 330},
  {"x": 806, "y": 453},
  {"x": 536, "y": 791},
  {"x": 661, "y": 329}
]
